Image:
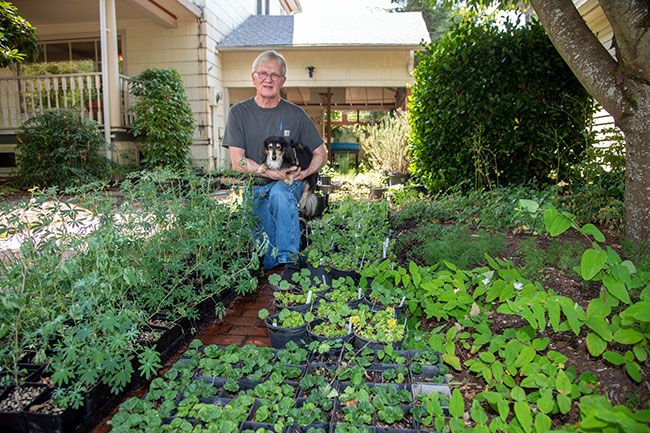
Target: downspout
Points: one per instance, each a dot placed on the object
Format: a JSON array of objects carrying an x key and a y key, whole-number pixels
[{"x": 204, "y": 71}]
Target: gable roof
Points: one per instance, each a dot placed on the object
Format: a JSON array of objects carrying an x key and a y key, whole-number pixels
[{"x": 377, "y": 29}]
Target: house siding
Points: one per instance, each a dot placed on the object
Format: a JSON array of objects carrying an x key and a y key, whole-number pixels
[
  {"x": 340, "y": 68},
  {"x": 603, "y": 122}
]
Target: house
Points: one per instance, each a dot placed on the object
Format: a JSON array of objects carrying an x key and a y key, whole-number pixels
[
  {"x": 603, "y": 123},
  {"x": 345, "y": 61}
]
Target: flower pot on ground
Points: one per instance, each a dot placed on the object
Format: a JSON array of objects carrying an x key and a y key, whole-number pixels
[
  {"x": 324, "y": 330},
  {"x": 325, "y": 179},
  {"x": 387, "y": 331},
  {"x": 293, "y": 301},
  {"x": 397, "y": 178},
  {"x": 15, "y": 400},
  {"x": 44, "y": 416},
  {"x": 377, "y": 192},
  {"x": 286, "y": 326}
]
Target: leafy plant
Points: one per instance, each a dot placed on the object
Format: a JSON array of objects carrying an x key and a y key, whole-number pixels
[
  {"x": 385, "y": 143},
  {"x": 59, "y": 148},
  {"x": 163, "y": 118}
]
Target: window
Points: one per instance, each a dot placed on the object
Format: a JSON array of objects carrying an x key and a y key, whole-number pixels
[{"x": 66, "y": 57}]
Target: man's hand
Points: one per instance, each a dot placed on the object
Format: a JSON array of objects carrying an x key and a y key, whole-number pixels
[
  {"x": 301, "y": 174},
  {"x": 281, "y": 173}
]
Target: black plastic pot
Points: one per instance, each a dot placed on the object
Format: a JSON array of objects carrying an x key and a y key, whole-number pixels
[
  {"x": 360, "y": 342},
  {"x": 301, "y": 308},
  {"x": 281, "y": 336},
  {"x": 341, "y": 273},
  {"x": 96, "y": 398},
  {"x": 325, "y": 179},
  {"x": 66, "y": 421},
  {"x": 377, "y": 193},
  {"x": 14, "y": 422},
  {"x": 397, "y": 178},
  {"x": 342, "y": 339}
]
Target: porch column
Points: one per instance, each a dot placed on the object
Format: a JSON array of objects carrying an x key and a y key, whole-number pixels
[{"x": 110, "y": 70}]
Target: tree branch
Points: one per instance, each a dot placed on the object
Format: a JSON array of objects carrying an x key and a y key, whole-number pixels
[
  {"x": 591, "y": 63},
  {"x": 630, "y": 21}
]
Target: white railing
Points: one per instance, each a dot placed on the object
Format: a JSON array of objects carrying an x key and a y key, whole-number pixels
[{"x": 25, "y": 97}]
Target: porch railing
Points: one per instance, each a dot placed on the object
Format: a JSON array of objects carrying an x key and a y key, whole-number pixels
[{"x": 25, "y": 97}]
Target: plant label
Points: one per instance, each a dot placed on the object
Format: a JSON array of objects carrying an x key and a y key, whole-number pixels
[
  {"x": 324, "y": 282},
  {"x": 349, "y": 326},
  {"x": 308, "y": 297},
  {"x": 359, "y": 293},
  {"x": 401, "y": 304}
]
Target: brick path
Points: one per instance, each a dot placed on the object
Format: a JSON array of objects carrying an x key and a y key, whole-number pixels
[{"x": 240, "y": 326}]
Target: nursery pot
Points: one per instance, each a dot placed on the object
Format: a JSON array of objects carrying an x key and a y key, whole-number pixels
[
  {"x": 342, "y": 339},
  {"x": 66, "y": 421},
  {"x": 343, "y": 273},
  {"x": 281, "y": 336},
  {"x": 377, "y": 306},
  {"x": 397, "y": 178},
  {"x": 325, "y": 179},
  {"x": 377, "y": 192},
  {"x": 360, "y": 342},
  {"x": 301, "y": 308}
]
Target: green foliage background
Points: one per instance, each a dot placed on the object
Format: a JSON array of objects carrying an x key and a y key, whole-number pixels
[
  {"x": 494, "y": 106},
  {"x": 18, "y": 41},
  {"x": 163, "y": 118},
  {"x": 59, "y": 148}
]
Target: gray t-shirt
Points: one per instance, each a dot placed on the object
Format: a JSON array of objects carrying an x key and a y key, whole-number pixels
[{"x": 249, "y": 125}]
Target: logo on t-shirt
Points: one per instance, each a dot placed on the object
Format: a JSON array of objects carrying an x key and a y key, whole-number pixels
[{"x": 287, "y": 133}]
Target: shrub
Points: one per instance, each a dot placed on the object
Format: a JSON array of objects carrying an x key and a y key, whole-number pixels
[
  {"x": 163, "y": 118},
  {"x": 59, "y": 148},
  {"x": 494, "y": 107},
  {"x": 385, "y": 143}
]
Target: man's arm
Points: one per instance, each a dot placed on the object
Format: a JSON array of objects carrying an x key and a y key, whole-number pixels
[
  {"x": 319, "y": 159},
  {"x": 241, "y": 164}
]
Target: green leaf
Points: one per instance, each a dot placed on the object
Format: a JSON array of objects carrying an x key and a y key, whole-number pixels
[
  {"x": 540, "y": 344},
  {"x": 555, "y": 222},
  {"x": 640, "y": 353},
  {"x": 523, "y": 414},
  {"x": 628, "y": 336},
  {"x": 518, "y": 394},
  {"x": 595, "y": 344},
  {"x": 592, "y": 262},
  {"x": 639, "y": 311},
  {"x": 525, "y": 356},
  {"x": 600, "y": 327},
  {"x": 562, "y": 383},
  {"x": 478, "y": 413},
  {"x": 554, "y": 315},
  {"x": 616, "y": 288},
  {"x": 634, "y": 370},
  {"x": 545, "y": 402},
  {"x": 590, "y": 229},
  {"x": 456, "y": 405},
  {"x": 542, "y": 423},
  {"x": 452, "y": 360},
  {"x": 614, "y": 358},
  {"x": 564, "y": 403}
]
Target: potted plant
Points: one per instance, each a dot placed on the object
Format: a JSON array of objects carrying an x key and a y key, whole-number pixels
[{"x": 286, "y": 326}]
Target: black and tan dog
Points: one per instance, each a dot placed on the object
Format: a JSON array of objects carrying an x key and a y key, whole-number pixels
[{"x": 280, "y": 152}]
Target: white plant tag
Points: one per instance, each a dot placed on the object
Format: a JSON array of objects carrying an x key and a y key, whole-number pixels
[
  {"x": 359, "y": 293},
  {"x": 308, "y": 297},
  {"x": 275, "y": 323},
  {"x": 349, "y": 326},
  {"x": 401, "y": 304},
  {"x": 385, "y": 248},
  {"x": 324, "y": 282}
]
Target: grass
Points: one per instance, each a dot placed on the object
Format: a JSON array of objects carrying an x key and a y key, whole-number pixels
[{"x": 429, "y": 244}]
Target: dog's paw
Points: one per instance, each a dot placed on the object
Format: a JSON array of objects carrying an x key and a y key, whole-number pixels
[
  {"x": 288, "y": 179},
  {"x": 262, "y": 168}
]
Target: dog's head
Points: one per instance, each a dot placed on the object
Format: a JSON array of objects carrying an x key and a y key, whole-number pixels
[{"x": 274, "y": 151}]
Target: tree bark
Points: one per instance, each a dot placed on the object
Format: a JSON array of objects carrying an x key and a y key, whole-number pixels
[{"x": 621, "y": 87}]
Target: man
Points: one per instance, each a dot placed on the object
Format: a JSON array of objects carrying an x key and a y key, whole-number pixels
[{"x": 249, "y": 123}]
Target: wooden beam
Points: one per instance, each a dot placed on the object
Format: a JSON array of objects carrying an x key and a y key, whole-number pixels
[
  {"x": 156, "y": 12},
  {"x": 329, "y": 123}
]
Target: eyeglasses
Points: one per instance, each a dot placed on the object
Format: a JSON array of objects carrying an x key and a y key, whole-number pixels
[{"x": 264, "y": 75}]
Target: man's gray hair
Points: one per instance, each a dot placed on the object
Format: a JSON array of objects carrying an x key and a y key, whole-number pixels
[{"x": 271, "y": 55}]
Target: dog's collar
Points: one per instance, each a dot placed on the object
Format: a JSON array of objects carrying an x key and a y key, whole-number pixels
[{"x": 295, "y": 156}]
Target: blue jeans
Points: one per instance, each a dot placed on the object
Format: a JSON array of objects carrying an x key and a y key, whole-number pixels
[{"x": 275, "y": 206}]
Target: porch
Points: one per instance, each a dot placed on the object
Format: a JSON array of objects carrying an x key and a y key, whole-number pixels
[{"x": 24, "y": 97}]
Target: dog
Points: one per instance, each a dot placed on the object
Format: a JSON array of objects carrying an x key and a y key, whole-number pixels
[{"x": 280, "y": 152}]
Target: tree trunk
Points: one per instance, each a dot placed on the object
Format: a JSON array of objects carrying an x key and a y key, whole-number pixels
[
  {"x": 622, "y": 89},
  {"x": 637, "y": 168}
]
